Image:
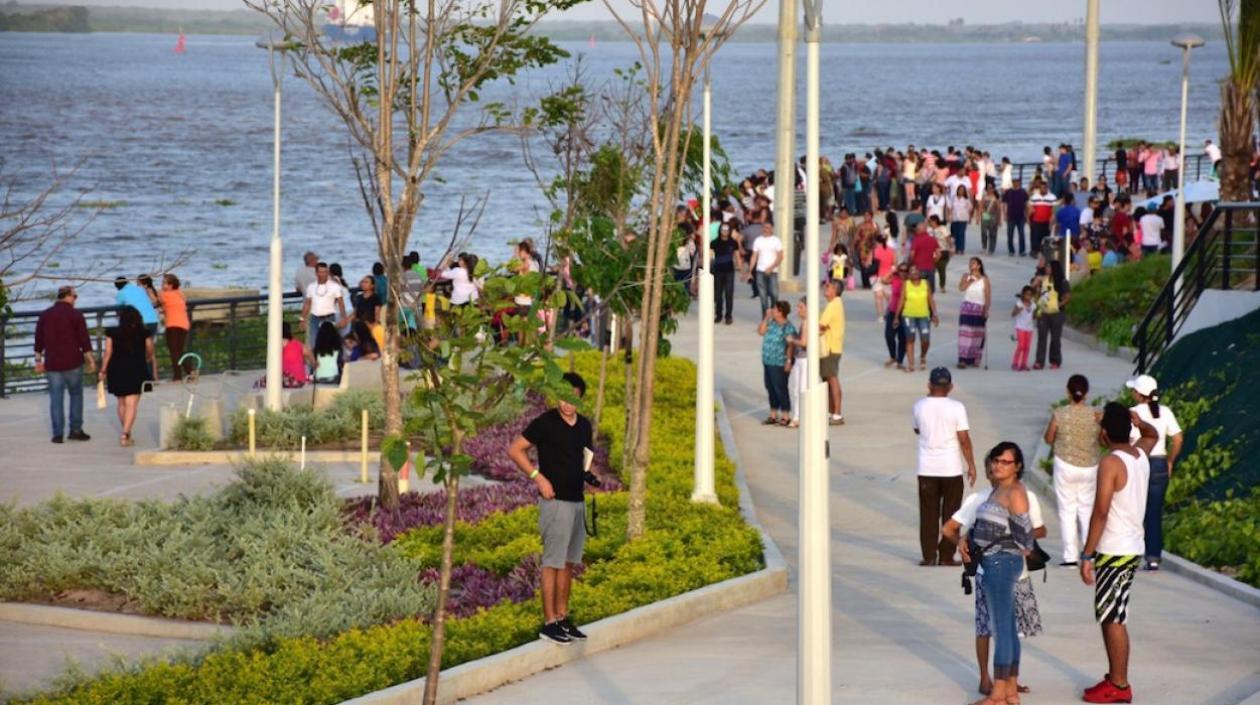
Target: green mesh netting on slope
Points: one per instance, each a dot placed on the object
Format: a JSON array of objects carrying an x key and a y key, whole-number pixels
[{"x": 1211, "y": 379}]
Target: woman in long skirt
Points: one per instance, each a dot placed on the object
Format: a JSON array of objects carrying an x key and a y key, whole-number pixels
[{"x": 973, "y": 315}]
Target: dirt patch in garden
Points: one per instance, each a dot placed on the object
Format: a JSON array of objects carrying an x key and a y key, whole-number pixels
[{"x": 101, "y": 601}]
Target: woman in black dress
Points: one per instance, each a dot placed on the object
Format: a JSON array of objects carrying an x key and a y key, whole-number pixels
[{"x": 128, "y": 357}]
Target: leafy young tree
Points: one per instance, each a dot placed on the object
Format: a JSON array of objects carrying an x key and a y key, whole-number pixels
[
  {"x": 674, "y": 43},
  {"x": 466, "y": 375},
  {"x": 406, "y": 99},
  {"x": 1240, "y": 96}
]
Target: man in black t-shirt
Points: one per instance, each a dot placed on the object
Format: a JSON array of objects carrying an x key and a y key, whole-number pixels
[{"x": 563, "y": 438}]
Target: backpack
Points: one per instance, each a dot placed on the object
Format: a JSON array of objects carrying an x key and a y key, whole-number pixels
[{"x": 1049, "y": 299}]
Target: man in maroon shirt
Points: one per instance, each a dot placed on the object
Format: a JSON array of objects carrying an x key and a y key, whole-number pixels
[
  {"x": 924, "y": 250},
  {"x": 62, "y": 349}
]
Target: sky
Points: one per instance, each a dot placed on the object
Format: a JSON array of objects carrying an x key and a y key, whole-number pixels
[{"x": 865, "y": 11}]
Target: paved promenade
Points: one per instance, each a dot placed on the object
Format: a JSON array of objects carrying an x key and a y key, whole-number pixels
[{"x": 903, "y": 634}]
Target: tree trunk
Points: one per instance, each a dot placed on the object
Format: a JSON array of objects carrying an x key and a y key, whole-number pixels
[
  {"x": 438, "y": 641},
  {"x": 627, "y": 399},
  {"x": 599, "y": 389},
  {"x": 661, "y": 229},
  {"x": 1237, "y": 124},
  {"x": 387, "y": 485}
]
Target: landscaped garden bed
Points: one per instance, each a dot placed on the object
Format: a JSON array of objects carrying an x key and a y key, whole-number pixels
[{"x": 288, "y": 653}]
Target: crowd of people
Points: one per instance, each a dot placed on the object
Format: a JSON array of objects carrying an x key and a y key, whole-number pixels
[
  {"x": 897, "y": 220},
  {"x": 1111, "y": 472},
  {"x": 63, "y": 351}
]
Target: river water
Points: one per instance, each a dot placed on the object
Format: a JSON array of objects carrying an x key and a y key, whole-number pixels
[{"x": 180, "y": 144}]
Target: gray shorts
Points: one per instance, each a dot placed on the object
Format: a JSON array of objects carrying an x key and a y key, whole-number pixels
[
  {"x": 563, "y": 528},
  {"x": 829, "y": 366}
]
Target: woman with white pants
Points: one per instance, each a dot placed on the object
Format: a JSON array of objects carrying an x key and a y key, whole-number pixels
[
  {"x": 798, "y": 380},
  {"x": 1073, "y": 431}
]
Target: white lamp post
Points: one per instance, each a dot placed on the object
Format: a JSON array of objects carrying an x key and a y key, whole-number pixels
[
  {"x": 275, "y": 292},
  {"x": 1091, "y": 108},
  {"x": 1185, "y": 42},
  {"x": 814, "y": 600},
  {"x": 704, "y": 490},
  {"x": 785, "y": 131}
]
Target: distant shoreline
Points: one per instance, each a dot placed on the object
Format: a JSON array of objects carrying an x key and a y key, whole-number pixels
[{"x": 79, "y": 19}]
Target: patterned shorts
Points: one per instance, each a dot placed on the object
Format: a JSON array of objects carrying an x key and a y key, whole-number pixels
[
  {"x": 1113, "y": 580},
  {"x": 1027, "y": 615}
]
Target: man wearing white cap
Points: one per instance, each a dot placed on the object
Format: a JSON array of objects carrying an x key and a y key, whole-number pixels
[{"x": 1163, "y": 456}]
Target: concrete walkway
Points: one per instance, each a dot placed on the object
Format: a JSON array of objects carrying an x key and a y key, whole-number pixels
[{"x": 903, "y": 634}]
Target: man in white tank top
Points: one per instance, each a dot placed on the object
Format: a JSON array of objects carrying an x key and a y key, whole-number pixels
[{"x": 1116, "y": 542}]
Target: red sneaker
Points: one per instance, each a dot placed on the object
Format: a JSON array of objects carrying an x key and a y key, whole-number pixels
[{"x": 1108, "y": 692}]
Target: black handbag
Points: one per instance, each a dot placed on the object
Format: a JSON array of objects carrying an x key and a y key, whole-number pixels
[{"x": 1037, "y": 558}]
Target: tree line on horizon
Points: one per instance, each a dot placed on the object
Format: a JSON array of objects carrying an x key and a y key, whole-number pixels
[{"x": 39, "y": 17}]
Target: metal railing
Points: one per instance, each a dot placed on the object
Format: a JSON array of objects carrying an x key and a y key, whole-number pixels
[
  {"x": 1223, "y": 255},
  {"x": 1198, "y": 166},
  {"x": 228, "y": 333}
]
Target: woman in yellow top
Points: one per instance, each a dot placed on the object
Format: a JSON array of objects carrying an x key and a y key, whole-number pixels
[{"x": 918, "y": 310}]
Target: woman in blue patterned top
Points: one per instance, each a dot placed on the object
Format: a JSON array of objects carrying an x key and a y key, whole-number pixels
[
  {"x": 775, "y": 329},
  {"x": 1003, "y": 535}
]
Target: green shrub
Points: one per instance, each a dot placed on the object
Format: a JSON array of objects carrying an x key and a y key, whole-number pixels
[
  {"x": 191, "y": 434},
  {"x": 687, "y": 546},
  {"x": 269, "y": 541},
  {"x": 1117, "y": 333},
  {"x": 1223, "y": 535},
  {"x": 1123, "y": 292}
]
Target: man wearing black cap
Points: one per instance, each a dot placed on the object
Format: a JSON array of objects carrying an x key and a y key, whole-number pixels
[{"x": 944, "y": 443}]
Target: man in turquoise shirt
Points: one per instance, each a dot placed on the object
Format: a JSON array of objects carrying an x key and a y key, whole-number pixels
[{"x": 131, "y": 295}]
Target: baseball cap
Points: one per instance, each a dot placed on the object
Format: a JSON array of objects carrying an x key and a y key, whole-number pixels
[
  {"x": 940, "y": 377},
  {"x": 1143, "y": 384}
]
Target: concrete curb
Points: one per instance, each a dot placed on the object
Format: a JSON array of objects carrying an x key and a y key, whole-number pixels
[
  {"x": 168, "y": 458},
  {"x": 109, "y": 622},
  {"x": 1044, "y": 484},
  {"x": 469, "y": 679},
  {"x": 1092, "y": 342}
]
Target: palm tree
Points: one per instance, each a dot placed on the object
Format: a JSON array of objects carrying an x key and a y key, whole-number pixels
[{"x": 1240, "y": 95}]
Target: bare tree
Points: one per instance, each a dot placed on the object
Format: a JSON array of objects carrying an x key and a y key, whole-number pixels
[
  {"x": 34, "y": 231},
  {"x": 674, "y": 42},
  {"x": 407, "y": 99}
]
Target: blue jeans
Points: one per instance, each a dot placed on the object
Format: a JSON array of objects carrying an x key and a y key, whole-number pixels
[
  {"x": 959, "y": 230},
  {"x": 1153, "y": 522},
  {"x": 313, "y": 323},
  {"x": 1001, "y": 570},
  {"x": 776, "y": 379},
  {"x": 58, "y": 384},
  {"x": 767, "y": 285},
  {"x": 850, "y": 199},
  {"x": 1010, "y": 237}
]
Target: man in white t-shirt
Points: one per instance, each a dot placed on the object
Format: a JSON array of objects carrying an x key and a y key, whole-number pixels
[
  {"x": 767, "y": 255},
  {"x": 324, "y": 300},
  {"x": 1212, "y": 151},
  {"x": 944, "y": 443},
  {"x": 1151, "y": 226}
]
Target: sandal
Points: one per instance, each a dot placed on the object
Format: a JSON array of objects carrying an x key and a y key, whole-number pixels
[
  {"x": 923, "y": 364},
  {"x": 125, "y": 441},
  {"x": 770, "y": 421}
]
